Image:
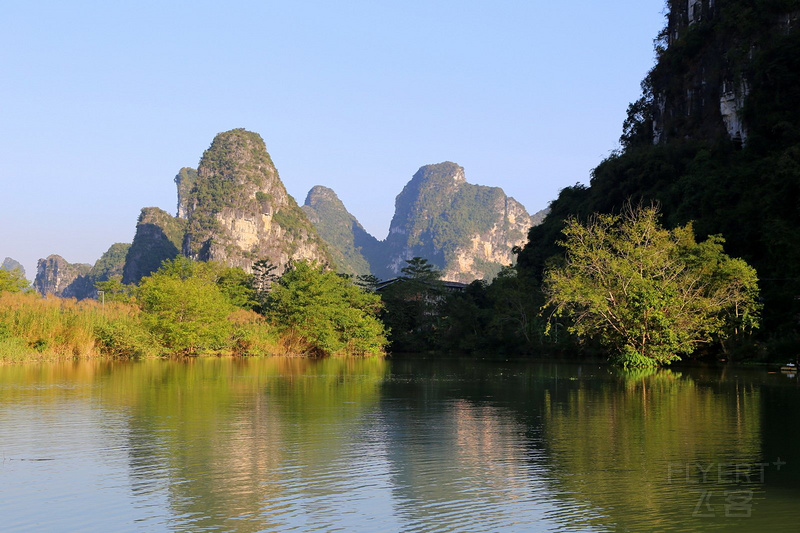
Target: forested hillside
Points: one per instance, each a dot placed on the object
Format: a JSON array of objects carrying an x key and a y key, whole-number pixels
[{"x": 714, "y": 139}]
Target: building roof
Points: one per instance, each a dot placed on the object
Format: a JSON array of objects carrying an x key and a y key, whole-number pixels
[{"x": 454, "y": 286}]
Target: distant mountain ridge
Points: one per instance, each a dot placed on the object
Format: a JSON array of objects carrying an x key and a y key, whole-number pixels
[
  {"x": 235, "y": 209},
  {"x": 56, "y": 276},
  {"x": 12, "y": 264},
  {"x": 466, "y": 230},
  {"x": 352, "y": 248}
]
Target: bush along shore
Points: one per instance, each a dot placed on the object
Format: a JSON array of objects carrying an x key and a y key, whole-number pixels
[
  {"x": 189, "y": 308},
  {"x": 625, "y": 289}
]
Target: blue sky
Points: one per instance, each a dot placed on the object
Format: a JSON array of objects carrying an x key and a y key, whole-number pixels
[{"x": 101, "y": 103}]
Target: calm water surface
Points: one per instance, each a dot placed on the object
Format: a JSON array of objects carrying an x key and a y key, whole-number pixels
[{"x": 395, "y": 445}]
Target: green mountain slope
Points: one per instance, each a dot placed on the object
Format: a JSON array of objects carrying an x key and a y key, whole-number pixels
[
  {"x": 349, "y": 243},
  {"x": 466, "y": 230},
  {"x": 159, "y": 236},
  {"x": 12, "y": 264}
]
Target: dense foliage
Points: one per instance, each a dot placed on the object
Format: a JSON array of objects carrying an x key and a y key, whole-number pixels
[
  {"x": 184, "y": 306},
  {"x": 414, "y": 303},
  {"x": 498, "y": 317},
  {"x": 13, "y": 280},
  {"x": 751, "y": 193},
  {"x": 648, "y": 293},
  {"x": 326, "y": 311}
]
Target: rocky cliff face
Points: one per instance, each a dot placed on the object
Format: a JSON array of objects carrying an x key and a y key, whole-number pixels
[
  {"x": 352, "y": 248},
  {"x": 709, "y": 58},
  {"x": 714, "y": 140},
  {"x": 159, "y": 236},
  {"x": 54, "y": 275},
  {"x": 466, "y": 230},
  {"x": 239, "y": 212},
  {"x": 11, "y": 264}
]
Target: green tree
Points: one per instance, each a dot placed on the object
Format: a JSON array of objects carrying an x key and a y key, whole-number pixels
[
  {"x": 114, "y": 290},
  {"x": 419, "y": 270},
  {"x": 184, "y": 307},
  {"x": 414, "y": 306},
  {"x": 13, "y": 281},
  {"x": 261, "y": 282},
  {"x": 236, "y": 284},
  {"x": 648, "y": 293},
  {"x": 327, "y": 311},
  {"x": 367, "y": 281},
  {"x": 515, "y": 318}
]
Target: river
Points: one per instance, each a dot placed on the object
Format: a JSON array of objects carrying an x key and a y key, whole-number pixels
[{"x": 395, "y": 445}]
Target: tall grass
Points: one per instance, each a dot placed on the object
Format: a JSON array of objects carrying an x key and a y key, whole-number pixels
[{"x": 35, "y": 328}]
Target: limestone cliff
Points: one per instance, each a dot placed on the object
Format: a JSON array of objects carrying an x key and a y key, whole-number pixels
[
  {"x": 711, "y": 56},
  {"x": 239, "y": 212},
  {"x": 352, "y": 248},
  {"x": 159, "y": 236},
  {"x": 466, "y": 230},
  {"x": 54, "y": 275},
  {"x": 714, "y": 140}
]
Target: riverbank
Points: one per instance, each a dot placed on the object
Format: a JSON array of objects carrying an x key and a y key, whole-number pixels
[{"x": 51, "y": 329}]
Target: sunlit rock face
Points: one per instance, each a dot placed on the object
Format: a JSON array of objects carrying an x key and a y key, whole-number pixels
[
  {"x": 466, "y": 230},
  {"x": 238, "y": 211},
  {"x": 55, "y": 276}
]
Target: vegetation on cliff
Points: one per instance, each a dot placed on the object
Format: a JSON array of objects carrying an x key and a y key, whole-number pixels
[
  {"x": 159, "y": 237},
  {"x": 185, "y": 180},
  {"x": 746, "y": 189},
  {"x": 352, "y": 248},
  {"x": 466, "y": 230},
  {"x": 110, "y": 265},
  {"x": 12, "y": 264},
  {"x": 239, "y": 211}
]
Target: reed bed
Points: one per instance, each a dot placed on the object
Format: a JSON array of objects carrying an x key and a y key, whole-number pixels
[{"x": 33, "y": 328}]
